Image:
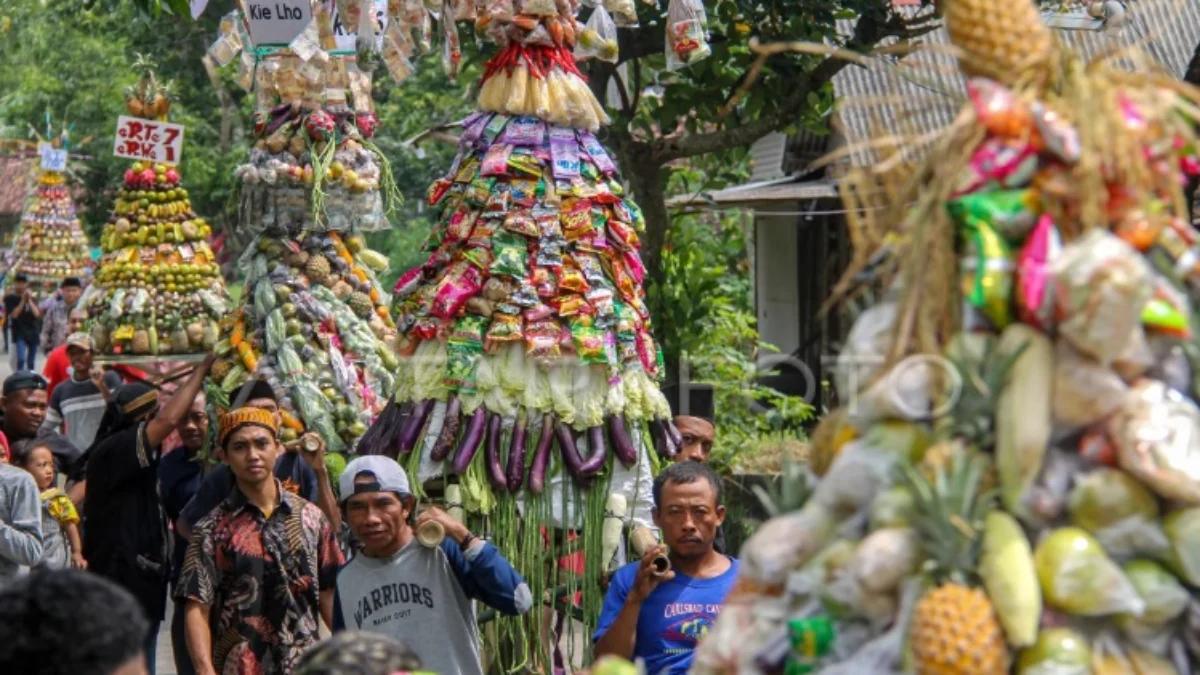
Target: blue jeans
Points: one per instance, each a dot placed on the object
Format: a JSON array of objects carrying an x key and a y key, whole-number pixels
[
  {"x": 26, "y": 354},
  {"x": 150, "y": 646}
]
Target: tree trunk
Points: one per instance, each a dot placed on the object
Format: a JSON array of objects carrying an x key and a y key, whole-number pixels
[{"x": 647, "y": 181}]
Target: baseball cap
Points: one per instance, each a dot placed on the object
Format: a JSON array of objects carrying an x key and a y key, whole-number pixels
[
  {"x": 23, "y": 380},
  {"x": 81, "y": 340},
  {"x": 387, "y": 474}
]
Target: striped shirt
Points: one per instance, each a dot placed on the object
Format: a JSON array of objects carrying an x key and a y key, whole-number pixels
[{"x": 78, "y": 405}]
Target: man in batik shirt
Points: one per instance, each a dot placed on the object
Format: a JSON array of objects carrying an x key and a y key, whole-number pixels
[{"x": 261, "y": 567}]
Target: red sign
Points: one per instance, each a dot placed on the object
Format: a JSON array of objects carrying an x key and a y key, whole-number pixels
[{"x": 144, "y": 139}]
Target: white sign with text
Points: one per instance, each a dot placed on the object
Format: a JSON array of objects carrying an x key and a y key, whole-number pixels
[
  {"x": 143, "y": 139},
  {"x": 277, "y": 22}
]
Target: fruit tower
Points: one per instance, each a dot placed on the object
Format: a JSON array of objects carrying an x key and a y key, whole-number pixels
[
  {"x": 50, "y": 244},
  {"x": 158, "y": 288},
  {"x": 1032, "y": 504},
  {"x": 313, "y": 320},
  {"x": 528, "y": 372}
]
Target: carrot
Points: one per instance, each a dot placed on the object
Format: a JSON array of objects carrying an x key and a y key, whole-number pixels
[
  {"x": 238, "y": 337},
  {"x": 290, "y": 421}
]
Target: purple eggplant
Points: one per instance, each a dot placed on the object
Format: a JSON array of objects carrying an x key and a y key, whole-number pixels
[
  {"x": 516, "y": 456},
  {"x": 469, "y": 444},
  {"x": 599, "y": 449},
  {"x": 673, "y": 433},
  {"x": 662, "y": 442},
  {"x": 384, "y": 432},
  {"x": 449, "y": 432},
  {"x": 618, "y": 437},
  {"x": 570, "y": 452},
  {"x": 541, "y": 457},
  {"x": 495, "y": 468},
  {"x": 412, "y": 429}
]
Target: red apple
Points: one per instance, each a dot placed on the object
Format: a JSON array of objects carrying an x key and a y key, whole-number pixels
[{"x": 172, "y": 176}]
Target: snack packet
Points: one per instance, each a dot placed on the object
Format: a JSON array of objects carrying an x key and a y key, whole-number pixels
[
  {"x": 1157, "y": 435},
  {"x": 599, "y": 37},
  {"x": 987, "y": 268},
  {"x": 1034, "y": 284},
  {"x": 687, "y": 33},
  {"x": 999, "y": 163},
  {"x": 1011, "y": 213},
  {"x": 1079, "y": 578},
  {"x": 1121, "y": 513},
  {"x": 1102, "y": 286}
]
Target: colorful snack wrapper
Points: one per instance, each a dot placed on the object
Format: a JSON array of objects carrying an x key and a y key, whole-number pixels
[
  {"x": 1011, "y": 213},
  {"x": 564, "y": 153},
  {"x": 483, "y": 233},
  {"x": 505, "y": 328},
  {"x": 1167, "y": 312},
  {"x": 495, "y": 161},
  {"x": 570, "y": 305},
  {"x": 621, "y": 234},
  {"x": 481, "y": 258},
  {"x": 999, "y": 110},
  {"x": 538, "y": 312},
  {"x": 479, "y": 189},
  {"x": 437, "y": 191},
  {"x": 408, "y": 282},
  {"x": 510, "y": 259},
  {"x": 496, "y": 124},
  {"x": 633, "y": 262},
  {"x": 570, "y": 278},
  {"x": 1058, "y": 136},
  {"x": 577, "y": 221},
  {"x": 589, "y": 343},
  {"x": 524, "y": 163},
  {"x": 460, "y": 224},
  {"x": 647, "y": 352},
  {"x": 469, "y": 329},
  {"x": 545, "y": 282},
  {"x": 597, "y": 152},
  {"x": 461, "y": 360},
  {"x": 547, "y": 223},
  {"x": 1102, "y": 285},
  {"x": 1157, "y": 435},
  {"x": 590, "y": 264},
  {"x": 987, "y": 273},
  {"x": 1035, "y": 292},
  {"x": 459, "y": 284},
  {"x": 480, "y": 306},
  {"x": 525, "y": 131},
  {"x": 521, "y": 222},
  {"x": 523, "y": 192},
  {"x": 999, "y": 164},
  {"x": 1140, "y": 228},
  {"x": 542, "y": 338}
]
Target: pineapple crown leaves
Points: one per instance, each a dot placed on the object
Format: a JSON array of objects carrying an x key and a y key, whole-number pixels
[
  {"x": 983, "y": 379},
  {"x": 948, "y": 514},
  {"x": 790, "y": 492}
]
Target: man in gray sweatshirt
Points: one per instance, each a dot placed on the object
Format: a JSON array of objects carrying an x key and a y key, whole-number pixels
[
  {"x": 20, "y": 523},
  {"x": 398, "y": 587}
]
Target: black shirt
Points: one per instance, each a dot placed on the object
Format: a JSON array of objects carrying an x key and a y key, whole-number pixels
[
  {"x": 27, "y": 327},
  {"x": 125, "y": 529}
]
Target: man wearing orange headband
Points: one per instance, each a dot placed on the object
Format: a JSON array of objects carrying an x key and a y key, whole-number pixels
[{"x": 261, "y": 567}]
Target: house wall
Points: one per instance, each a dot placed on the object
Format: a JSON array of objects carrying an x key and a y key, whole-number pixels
[{"x": 776, "y": 287}]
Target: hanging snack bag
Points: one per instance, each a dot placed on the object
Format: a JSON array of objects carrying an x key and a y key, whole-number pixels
[
  {"x": 987, "y": 272},
  {"x": 599, "y": 37},
  {"x": 1035, "y": 290},
  {"x": 687, "y": 33}
]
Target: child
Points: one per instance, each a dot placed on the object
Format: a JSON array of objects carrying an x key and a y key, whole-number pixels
[{"x": 59, "y": 516}]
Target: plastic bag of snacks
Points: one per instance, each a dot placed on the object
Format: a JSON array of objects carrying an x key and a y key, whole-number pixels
[
  {"x": 599, "y": 37},
  {"x": 687, "y": 33},
  {"x": 1121, "y": 513},
  {"x": 1078, "y": 577},
  {"x": 1085, "y": 392},
  {"x": 1157, "y": 436},
  {"x": 623, "y": 12},
  {"x": 1103, "y": 285}
]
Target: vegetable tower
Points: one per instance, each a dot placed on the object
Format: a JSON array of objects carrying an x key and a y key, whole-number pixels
[
  {"x": 50, "y": 244},
  {"x": 527, "y": 366},
  {"x": 158, "y": 287},
  {"x": 313, "y": 319},
  {"x": 1031, "y": 505}
]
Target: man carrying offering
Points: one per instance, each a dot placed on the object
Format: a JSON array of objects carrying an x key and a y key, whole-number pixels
[
  {"x": 396, "y": 586},
  {"x": 659, "y": 615},
  {"x": 260, "y": 568}
]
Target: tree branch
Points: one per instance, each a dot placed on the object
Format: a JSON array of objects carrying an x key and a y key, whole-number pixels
[{"x": 868, "y": 31}]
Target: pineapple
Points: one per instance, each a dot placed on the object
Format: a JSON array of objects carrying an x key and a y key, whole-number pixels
[
  {"x": 1004, "y": 41},
  {"x": 361, "y": 304},
  {"x": 954, "y": 628},
  {"x": 178, "y": 340},
  {"x": 970, "y": 424},
  {"x": 195, "y": 333},
  {"x": 141, "y": 341},
  {"x": 318, "y": 270},
  {"x": 220, "y": 369}
]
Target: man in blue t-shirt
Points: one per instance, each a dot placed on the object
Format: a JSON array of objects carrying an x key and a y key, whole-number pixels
[{"x": 661, "y": 617}]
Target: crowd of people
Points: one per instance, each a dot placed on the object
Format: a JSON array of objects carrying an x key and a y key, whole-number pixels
[{"x": 101, "y": 521}]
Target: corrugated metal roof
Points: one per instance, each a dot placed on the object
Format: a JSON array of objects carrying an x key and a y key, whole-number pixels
[
  {"x": 789, "y": 190},
  {"x": 768, "y": 154},
  {"x": 919, "y": 94}
]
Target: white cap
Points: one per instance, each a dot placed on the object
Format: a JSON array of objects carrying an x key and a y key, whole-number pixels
[{"x": 387, "y": 475}]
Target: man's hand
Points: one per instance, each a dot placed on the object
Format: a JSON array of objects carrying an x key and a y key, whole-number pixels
[
  {"x": 96, "y": 374},
  {"x": 78, "y": 562},
  {"x": 454, "y": 529},
  {"x": 647, "y": 579},
  {"x": 313, "y": 458}
]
